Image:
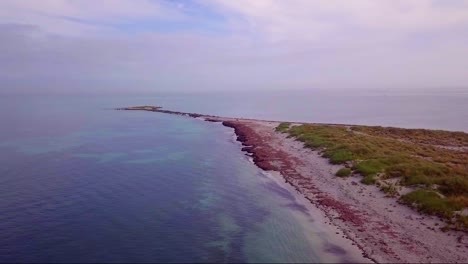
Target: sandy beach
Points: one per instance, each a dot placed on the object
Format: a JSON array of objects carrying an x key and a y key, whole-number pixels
[{"x": 385, "y": 230}]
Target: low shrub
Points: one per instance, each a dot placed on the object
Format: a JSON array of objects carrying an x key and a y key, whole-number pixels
[
  {"x": 412, "y": 155},
  {"x": 390, "y": 190},
  {"x": 431, "y": 203},
  {"x": 454, "y": 186},
  {"x": 369, "y": 179},
  {"x": 370, "y": 167},
  {"x": 338, "y": 156},
  {"x": 283, "y": 127},
  {"x": 343, "y": 172},
  {"x": 311, "y": 141}
]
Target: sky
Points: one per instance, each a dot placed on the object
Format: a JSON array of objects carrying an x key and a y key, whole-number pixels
[{"x": 73, "y": 46}]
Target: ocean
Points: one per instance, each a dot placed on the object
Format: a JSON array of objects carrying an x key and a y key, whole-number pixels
[{"x": 80, "y": 182}]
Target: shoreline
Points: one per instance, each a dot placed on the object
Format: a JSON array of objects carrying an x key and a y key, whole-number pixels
[
  {"x": 216, "y": 118},
  {"x": 385, "y": 230}
]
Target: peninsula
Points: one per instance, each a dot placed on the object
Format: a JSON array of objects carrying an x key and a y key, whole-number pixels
[{"x": 400, "y": 194}]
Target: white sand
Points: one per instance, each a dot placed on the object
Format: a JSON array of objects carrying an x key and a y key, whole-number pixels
[{"x": 392, "y": 232}]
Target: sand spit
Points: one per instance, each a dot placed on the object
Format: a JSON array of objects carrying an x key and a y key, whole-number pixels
[{"x": 385, "y": 230}]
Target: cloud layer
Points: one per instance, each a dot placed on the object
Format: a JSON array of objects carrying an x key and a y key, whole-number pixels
[{"x": 144, "y": 45}]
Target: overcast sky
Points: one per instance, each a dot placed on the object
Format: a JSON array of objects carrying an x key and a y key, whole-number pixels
[{"x": 151, "y": 46}]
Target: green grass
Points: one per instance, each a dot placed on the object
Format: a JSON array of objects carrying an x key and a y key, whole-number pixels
[
  {"x": 432, "y": 203},
  {"x": 343, "y": 172},
  {"x": 369, "y": 179},
  {"x": 436, "y": 137},
  {"x": 338, "y": 156},
  {"x": 454, "y": 186},
  {"x": 410, "y": 155},
  {"x": 283, "y": 127},
  {"x": 390, "y": 190},
  {"x": 370, "y": 167},
  {"x": 460, "y": 223}
]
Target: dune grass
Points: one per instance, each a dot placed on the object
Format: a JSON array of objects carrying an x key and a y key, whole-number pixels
[
  {"x": 283, "y": 127},
  {"x": 434, "y": 163},
  {"x": 391, "y": 190},
  {"x": 343, "y": 172},
  {"x": 429, "y": 201}
]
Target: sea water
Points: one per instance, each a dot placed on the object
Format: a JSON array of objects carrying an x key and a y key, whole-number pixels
[{"x": 80, "y": 182}]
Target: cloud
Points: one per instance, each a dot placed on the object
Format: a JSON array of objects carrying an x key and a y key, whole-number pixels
[
  {"x": 144, "y": 45},
  {"x": 299, "y": 18},
  {"x": 68, "y": 17}
]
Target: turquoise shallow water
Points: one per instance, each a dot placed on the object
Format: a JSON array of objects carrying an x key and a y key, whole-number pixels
[{"x": 82, "y": 183}]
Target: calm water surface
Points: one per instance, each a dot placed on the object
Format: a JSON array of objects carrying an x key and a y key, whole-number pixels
[
  {"x": 80, "y": 183},
  {"x": 447, "y": 111}
]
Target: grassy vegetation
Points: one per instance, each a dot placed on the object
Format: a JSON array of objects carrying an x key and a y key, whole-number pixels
[
  {"x": 415, "y": 157},
  {"x": 390, "y": 190},
  {"x": 369, "y": 179},
  {"x": 343, "y": 172},
  {"x": 338, "y": 156},
  {"x": 370, "y": 167},
  {"x": 431, "y": 202},
  {"x": 425, "y": 136},
  {"x": 283, "y": 127}
]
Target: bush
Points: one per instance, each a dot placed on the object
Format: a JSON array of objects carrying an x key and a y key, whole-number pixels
[
  {"x": 283, "y": 127},
  {"x": 343, "y": 172},
  {"x": 454, "y": 186},
  {"x": 412, "y": 155},
  {"x": 461, "y": 223},
  {"x": 390, "y": 190},
  {"x": 370, "y": 167},
  {"x": 418, "y": 172},
  {"x": 339, "y": 156},
  {"x": 369, "y": 179},
  {"x": 431, "y": 203},
  {"x": 312, "y": 141}
]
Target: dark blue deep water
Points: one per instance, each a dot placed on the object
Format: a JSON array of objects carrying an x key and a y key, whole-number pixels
[{"x": 82, "y": 183}]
